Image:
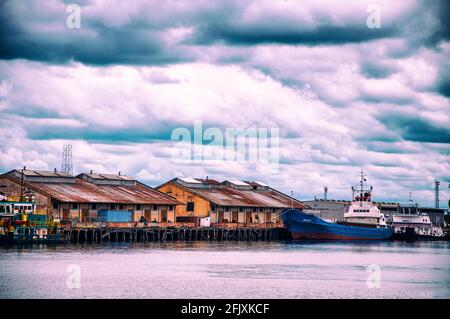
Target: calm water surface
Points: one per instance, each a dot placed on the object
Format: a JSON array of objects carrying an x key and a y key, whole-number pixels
[{"x": 228, "y": 270}]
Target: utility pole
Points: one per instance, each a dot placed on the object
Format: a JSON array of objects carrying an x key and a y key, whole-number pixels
[
  {"x": 436, "y": 193},
  {"x": 292, "y": 199},
  {"x": 21, "y": 185},
  {"x": 449, "y": 198}
]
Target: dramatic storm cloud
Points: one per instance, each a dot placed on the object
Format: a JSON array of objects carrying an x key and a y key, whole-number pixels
[{"x": 344, "y": 96}]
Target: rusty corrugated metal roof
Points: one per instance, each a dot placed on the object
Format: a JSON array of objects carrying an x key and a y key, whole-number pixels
[
  {"x": 29, "y": 172},
  {"x": 228, "y": 196},
  {"x": 208, "y": 181},
  {"x": 84, "y": 192},
  {"x": 106, "y": 176}
]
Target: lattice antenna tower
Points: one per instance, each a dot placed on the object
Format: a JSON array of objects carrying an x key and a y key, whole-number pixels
[{"x": 67, "y": 162}]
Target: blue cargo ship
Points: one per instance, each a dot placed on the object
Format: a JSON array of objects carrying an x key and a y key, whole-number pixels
[
  {"x": 307, "y": 226},
  {"x": 363, "y": 221}
]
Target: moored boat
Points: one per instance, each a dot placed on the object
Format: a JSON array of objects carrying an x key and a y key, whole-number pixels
[
  {"x": 415, "y": 226},
  {"x": 363, "y": 221},
  {"x": 20, "y": 225},
  {"x": 308, "y": 226}
]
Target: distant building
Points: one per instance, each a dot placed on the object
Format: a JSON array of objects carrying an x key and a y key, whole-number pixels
[
  {"x": 229, "y": 201},
  {"x": 328, "y": 209},
  {"x": 67, "y": 197},
  {"x": 335, "y": 209}
]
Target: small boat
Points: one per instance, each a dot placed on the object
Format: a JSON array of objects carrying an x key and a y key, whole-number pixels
[
  {"x": 34, "y": 235},
  {"x": 363, "y": 221},
  {"x": 415, "y": 225},
  {"x": 20, "y": 225}
]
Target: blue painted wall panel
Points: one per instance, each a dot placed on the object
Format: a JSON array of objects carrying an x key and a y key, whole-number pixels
[{"x": 117, "y": 216}]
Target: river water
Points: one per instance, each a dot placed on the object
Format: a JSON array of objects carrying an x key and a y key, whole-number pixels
[{"x": 228, "y": 270}]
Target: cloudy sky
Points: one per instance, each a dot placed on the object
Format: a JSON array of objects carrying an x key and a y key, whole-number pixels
[{"x": 344, "y": 96}]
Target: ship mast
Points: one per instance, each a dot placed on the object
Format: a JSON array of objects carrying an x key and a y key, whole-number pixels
[
  {"x": 361, "y": 191},
  {"x": 359, "y": 194},
  {"x": 362, "y": 182},
  {"x": 362, "y": 194}
]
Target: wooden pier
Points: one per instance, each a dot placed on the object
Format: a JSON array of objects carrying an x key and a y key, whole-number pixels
[{"x": 163, "y": 234}]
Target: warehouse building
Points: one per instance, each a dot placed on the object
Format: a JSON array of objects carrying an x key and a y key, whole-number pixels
[
  {"x": 328, "y": 209},
  {"x": 241, "y": 202},
  {"x": 67, "y": 197}
]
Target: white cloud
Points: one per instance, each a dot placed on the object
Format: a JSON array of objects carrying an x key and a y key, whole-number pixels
[{"x": 324, "y": 140}]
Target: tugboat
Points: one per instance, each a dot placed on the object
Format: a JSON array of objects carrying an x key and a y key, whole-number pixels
[
  {"x": 410, "y": 224},
  {"x": 19, "y": 224},
  {"x": 363, "y": 221}
]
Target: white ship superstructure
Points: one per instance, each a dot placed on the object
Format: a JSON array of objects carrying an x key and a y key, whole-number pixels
[
  {"x": 416, "y": 225},
  {"x": 362, "y": 210}
]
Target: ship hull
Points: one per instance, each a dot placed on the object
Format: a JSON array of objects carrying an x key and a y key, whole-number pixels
[
  {"x": 414, "y": 237},
  {"x": 26, "y": 240},
  {"x": 305, "y": 226},
  {"x": 411, "y": 235}
]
